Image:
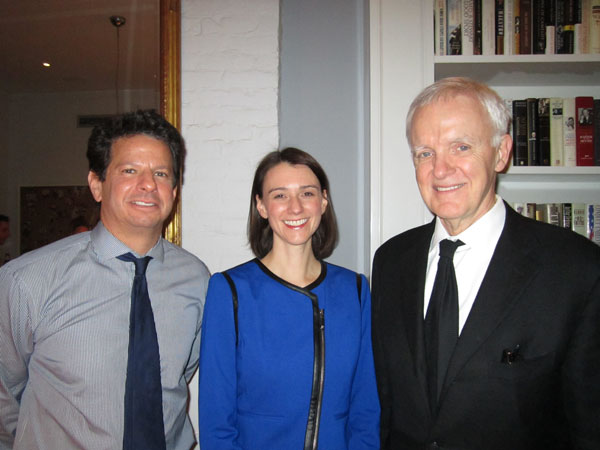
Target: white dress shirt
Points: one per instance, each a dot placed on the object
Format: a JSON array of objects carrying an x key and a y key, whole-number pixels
[{"x": 470, "y": 260}]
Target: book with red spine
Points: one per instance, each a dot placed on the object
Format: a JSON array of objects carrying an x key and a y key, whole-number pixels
[{"x": 584, "y": 130}]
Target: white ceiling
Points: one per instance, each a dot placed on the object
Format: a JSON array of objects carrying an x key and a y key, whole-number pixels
[{"x": 78, "y": 39}]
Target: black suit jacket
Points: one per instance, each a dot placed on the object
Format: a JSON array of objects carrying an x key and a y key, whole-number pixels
[{"x": 541, "y": 292}]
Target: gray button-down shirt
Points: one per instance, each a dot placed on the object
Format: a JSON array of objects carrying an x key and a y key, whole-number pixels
[{"x": 64, "y": 334}]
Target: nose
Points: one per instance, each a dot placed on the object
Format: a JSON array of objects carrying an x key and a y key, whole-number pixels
[
  {"x": 295, "y": 205},
  {"x": 146, "y": 181},
  {"x": 442, "y": 165}
]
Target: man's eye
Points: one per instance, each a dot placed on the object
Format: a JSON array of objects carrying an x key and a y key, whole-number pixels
[
  {"x": 463, "y": 148},
  {"x": 162, "y": 174},
  {"x": 128, "y": 170},
  {"x": 423, "y": 154}
]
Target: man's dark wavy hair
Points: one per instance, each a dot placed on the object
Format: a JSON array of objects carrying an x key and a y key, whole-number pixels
[{"x": 146, "y": 122}]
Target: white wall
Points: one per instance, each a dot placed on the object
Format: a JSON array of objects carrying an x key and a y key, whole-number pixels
[
  {"x": 324, "y": 108},
  {"x": 230, "y": 58}
]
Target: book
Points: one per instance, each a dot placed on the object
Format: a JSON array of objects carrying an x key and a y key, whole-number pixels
[
  {"x": 556, "y": 131},
  {"x": 509, "y": 27},
  {"x": 488, "y": 27},
  {"x": 597, "y": 132},
  {"x": 530, "y": 210},
  {"x": 538, "y": 26},
  {"x": 565, "y": 26},
  {"x": 440, "y": 27},
  {"x": 499, "y": 27},
  {"x": 525, "y": 12},
  {"x": 549, "y": 212},
  {"x": 593, "y": 223},
  {"x": 579, "y": 218},
  {"x": 520, "y": 133},
  {"x": 533, "y": 154},
  {"x": 453, "y": 27},
  {"x": 550, "y": 28},
  {"x": 477, "y": 46},
  {"x": 595, "y": 27},
  {"x": 569, "y": 148},
  {"x": 467, "y": 28},
  {"x": 584, "y": 131},
  {"x": 566, "y": 219},
  {"x": 517, "y": 27},
  {"x": 543, "y": 131},
  {"x": 582, "y": 27}
]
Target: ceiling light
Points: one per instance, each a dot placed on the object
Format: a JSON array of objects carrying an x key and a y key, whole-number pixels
[{"x": 46, "y": 64}]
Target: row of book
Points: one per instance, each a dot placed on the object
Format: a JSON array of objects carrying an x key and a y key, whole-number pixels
[
  {"x": 556, "y": 131},
  {"x": 513, "y": 27},
  {"x": 582, "y": 218}
]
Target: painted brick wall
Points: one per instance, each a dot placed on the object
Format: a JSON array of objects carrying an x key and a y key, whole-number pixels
[
  {"x": 230, "y": 60},
  {"x": 230, "y": 82}
]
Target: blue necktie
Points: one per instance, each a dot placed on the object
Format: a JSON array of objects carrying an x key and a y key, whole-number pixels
[
  {"x": 144, "y": 427},
  {"x": 441, "y": 321}
]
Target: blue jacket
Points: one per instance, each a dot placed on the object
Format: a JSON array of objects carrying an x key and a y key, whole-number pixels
[{"x": 256, "y": 394}]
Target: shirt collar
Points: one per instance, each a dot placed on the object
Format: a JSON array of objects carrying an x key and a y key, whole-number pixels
[
  {"x": 107, "y": 246},
  {"x": 484, "y": 231}
]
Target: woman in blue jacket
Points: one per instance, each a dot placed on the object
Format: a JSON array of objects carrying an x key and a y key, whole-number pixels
[{"x": 286, "y": 359}]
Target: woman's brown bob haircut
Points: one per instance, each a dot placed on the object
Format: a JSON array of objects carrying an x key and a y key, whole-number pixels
[{"x": 260, "y": 234}]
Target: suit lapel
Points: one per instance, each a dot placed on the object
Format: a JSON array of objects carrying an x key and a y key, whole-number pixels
[
  {"x": 412, "y": 292},
  {"x": 511, "y": 268}
]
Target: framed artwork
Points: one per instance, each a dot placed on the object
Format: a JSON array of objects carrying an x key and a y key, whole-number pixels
[{"x": 50, "y": 213}]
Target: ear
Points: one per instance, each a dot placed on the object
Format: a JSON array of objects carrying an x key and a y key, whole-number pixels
[
  {"x": 260, "y": 207},
  {"x": 95, "y": 186},
  {"x": 503, "y": 153},
  {"x": 174, "y": 192},
  {"x": 324, "y": 202}
]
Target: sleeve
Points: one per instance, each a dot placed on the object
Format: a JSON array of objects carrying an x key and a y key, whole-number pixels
[
  {"x": 380, "y": 363},
  {"x": 16, "y": 346},
  {"x": 580, "y": 375},
  {"x": 364, "y": 404},
  {"x": 192, "y": 364},
  {"x": 217, "y": 392}
]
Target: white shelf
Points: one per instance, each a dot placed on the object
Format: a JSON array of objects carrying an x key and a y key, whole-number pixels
[{"x": 537, "y": 174}]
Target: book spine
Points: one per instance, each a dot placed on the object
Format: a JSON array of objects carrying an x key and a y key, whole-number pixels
[
  {"x": 509, "y": 27},
  {"x": 467, "y": 28},
  {"x": 550, "y": 28},
  {"x": 596, "y": 119},
  {"x": 538, "y": 29},
  {"x": 582, "y": 28},
  {"x": 566, "y": 219},
  {"x": 543, "y": 131},
  {"x": 593, "y": 223},
  {"x": 453, "y": 27},
  {"x": 477, "y": 36},
  {"x": 525, "y": 11},
  {"x": 579, "y": 219},
  {"x": 488, "y": 27},
  {"x": 561, "y": 20},
  {"x": 556, "y": 131},
  {"x": 533, "y": 154},
  {"x": 584, "y": 131},
  {"x": 595, "y": 27},
  {"x": 520, "y": 133},
  {"x": 440, "y": 27},
  {"x": 517, "y": 28},
  {"x": 499, "y": 27},
  {"x": 569, "y": 147}
]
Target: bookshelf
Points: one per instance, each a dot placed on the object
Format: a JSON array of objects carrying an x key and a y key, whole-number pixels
[{"x": 403, "y": 62}]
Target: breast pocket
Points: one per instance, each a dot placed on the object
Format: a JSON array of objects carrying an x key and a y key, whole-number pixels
[{"x": 524, "y": 368}]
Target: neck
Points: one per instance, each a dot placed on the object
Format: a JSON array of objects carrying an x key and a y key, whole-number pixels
[{"x": 296, "y": 265}]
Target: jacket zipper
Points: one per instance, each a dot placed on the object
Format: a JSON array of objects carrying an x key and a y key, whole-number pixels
[{"x": 311, "y": 437}]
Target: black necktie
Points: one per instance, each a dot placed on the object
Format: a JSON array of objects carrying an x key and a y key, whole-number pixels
[
  {"x": 441, "y": 321},
  {"x": 144, "y": 427}
]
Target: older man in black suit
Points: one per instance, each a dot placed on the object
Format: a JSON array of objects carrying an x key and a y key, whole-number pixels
[{"x": 486, "y": 324}]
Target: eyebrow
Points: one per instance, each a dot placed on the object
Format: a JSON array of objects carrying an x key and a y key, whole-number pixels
[{"x": 307, "y": 186}]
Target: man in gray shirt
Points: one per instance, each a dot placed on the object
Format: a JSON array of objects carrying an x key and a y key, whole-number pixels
[{"x": 65, "y": 308}]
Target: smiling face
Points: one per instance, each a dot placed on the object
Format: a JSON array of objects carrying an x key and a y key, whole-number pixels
[
  {"x": 455, "y": 162},
  {"x": 293, "y": 203},
  {"x": 137, "y": 194}
]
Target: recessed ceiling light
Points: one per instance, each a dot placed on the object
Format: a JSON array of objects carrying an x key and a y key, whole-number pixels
[{"x": 46, "y": 64}]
